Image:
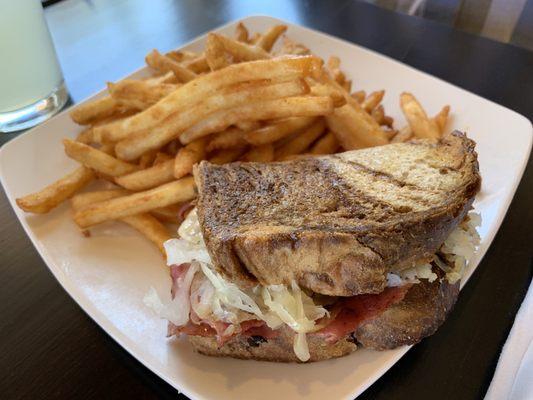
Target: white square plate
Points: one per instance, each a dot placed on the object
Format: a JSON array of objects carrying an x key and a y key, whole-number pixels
[{"x": 109, "y": 273}]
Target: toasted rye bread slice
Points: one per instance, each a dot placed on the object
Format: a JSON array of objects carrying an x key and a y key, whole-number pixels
[
  {"x": 336, "y": 224},
  {"x": 417, "y": 316},
  {"x": 279, "y": 349}
]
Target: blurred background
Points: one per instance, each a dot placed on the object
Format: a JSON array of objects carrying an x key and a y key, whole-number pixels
[{"x": 508, "y": 21}]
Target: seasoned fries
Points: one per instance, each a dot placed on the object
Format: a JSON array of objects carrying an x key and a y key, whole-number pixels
[
  {"x": 151, "y": 228},
  {"x": 240, "y": 51},
  {"x": 373, "y": 100},
  {"x": 176, "y": 125},
  {"x": 297, "y": 106},
  {"x": 237, "y": 100},
  {"x": 228, "y": 139},
  {"x": 164, "y": 195},
  {"x": 164, "y": 63},
  {"x": 241, "y": 33},
  {"x": 263, "y": 153},
  {"x": 276, "y": 131},
  {"x": 51, "y": 196},
  {"x": 327, "y": 144},
  {"x": 301, "y": 142},
  {"x": 196, "y": 91},
  {"x": 187, "y": 156},
  {"x": 442, "y": 118},
  {"x": 420, "y": 124},
  {"x": 158, "y": 174},
  {"x": 96, "y": 109},
  {"x": 138, "y": 95},
  {"x": 226, "y": 156},
  {"x": 215, "y": 54},
  {"x": 146, "y": 224},
  {"x": 266, "y": 41},
  {"x": 97, "y": 159}
]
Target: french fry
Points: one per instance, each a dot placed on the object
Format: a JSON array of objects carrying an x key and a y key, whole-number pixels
[
  {"x": 335, "y": 92},
  {"x": 168, "y": 77},
  {"x": 228, "y": 139},
  {"x": 96, "y": 159},
  {"x": 266, "y": 40},
  {"x": 442, "y": 118},
  {"x": 81, "y": 200},
  {"x": 333, "y": 64},
  {"x": 138, "y": 95},
  {"x": 215, "y": 54},
  {"x": 355, "y": 129},
  {"x": 52, "y": 195},
  {"x": 403, "y": 135},
  {"x": 255, "y": 38},
  {"x": 189, "y": 155},
  {"x": 97, "y": 109},
  {"x": 181, "y": 55},
  {"x": 347, "y": 85},
  {"x": 85, "y": 136},
  {"x": 373, "y": 100},
  {"x": 286, "y": 68},
  {"x": 217, "y": 104},
  {"x": 145, "y": 224},
  {"x": 291, "y": 47},
  {"x": 302, "y": 141},
  {"x": 263, "y": 153},
  {"x": 387, "y": 121},
  {"x": 169, "y": 213},
  {"x": 197, "y": 65},
  {"x": 241, "y": 33},
  {"x": 278, "y": 130},
  {"x": 379, "y": 116},
  {"x": 351, "y": 124},
  {"x": 420, "y": 124},
  {"x": 246, "y": 126},
  {"x": 390, "y": 133},
  {"x": 240, "y": 51},
  {"x": 167, "y": 194},
  {"x": 227, "y": 156},
  {"x": 150, "y": 228},
  {"x": 327, "y": 144},
  {"x": 297, "y": 106},
  {"x": 163, "y": 63},
  {"x": 147, "y": 159},
  {"x": 359, "y": 96},
  {"x": 162, "y": 157},
  {"x": 148, "y": 178}
]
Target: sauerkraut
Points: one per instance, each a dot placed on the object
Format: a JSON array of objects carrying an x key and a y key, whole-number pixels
[
  {"x": 458, "y": 249},
  {"x": 461, "y": 245},
  {"x": 215, "y": 299}
]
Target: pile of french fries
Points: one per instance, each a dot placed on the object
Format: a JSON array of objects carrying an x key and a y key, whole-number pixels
[{"x": 237, "y": 101}]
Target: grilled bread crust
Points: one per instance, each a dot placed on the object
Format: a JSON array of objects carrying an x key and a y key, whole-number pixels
[
  {"x": 279, "y": 349},
  {"x": 418, "y": 315},
  {"x": 336, "y": 224}
]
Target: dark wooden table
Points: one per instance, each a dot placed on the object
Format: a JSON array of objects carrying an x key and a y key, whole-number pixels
[{"x": 49, "y": 348}]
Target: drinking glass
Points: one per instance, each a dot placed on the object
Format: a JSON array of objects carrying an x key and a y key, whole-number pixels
[{"x": 31, "y": 83}]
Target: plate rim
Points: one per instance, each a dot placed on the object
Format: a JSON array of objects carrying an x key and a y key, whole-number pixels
[{"x": 119, "y": 337}]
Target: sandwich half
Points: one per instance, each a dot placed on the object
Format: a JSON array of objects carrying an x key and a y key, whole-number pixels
[{"x": 307, "y": 259}]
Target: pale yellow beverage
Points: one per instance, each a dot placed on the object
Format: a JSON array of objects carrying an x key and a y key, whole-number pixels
[{"x": 29, "y": 70}]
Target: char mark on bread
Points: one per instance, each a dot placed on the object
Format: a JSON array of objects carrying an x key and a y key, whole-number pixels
[{"x": 336, "y": 224}]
